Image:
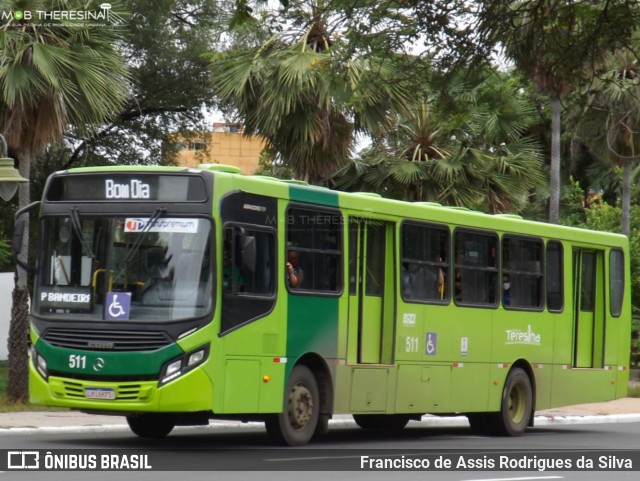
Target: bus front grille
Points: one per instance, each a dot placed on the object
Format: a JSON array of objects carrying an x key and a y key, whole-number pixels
[
  {"x": 122, "y": 392},
  {"x": 107, "y": 340}
]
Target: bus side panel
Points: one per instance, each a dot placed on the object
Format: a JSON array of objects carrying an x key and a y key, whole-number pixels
[
  {"x": 423, "y": 388},
  {"x": 247, "y": 363},
  {"x": 253, "y": 385},
  {"x": 579, "y": 386},
  {"x": 312, "y": 326},
  {"x": 464, "y": 342},
  {"x": 524, "y": 336}
]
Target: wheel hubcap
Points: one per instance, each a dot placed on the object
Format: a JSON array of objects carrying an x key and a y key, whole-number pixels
[
  {"x": 516, "y": 404},
  {"x": 300, "y": 407}
]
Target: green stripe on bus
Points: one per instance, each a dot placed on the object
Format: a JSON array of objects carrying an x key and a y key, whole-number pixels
[
  {"x": 312, "y": 326},
  {"x": 314, "y": 195}
]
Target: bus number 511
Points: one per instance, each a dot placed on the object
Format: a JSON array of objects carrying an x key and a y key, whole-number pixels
[
  {"x": 412, "y": 344},
  {"x": 77, "y": 361}
]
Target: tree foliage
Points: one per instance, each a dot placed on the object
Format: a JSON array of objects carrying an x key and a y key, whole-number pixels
[
  {"x": 309, "y": 95},
  {"x": 469, "y": 148},
  {"x": 609, "y": 123},
  {"x": 163, "y": 44}
]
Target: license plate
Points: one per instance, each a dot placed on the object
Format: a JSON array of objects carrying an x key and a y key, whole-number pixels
[{"x": 99, "y": 393}]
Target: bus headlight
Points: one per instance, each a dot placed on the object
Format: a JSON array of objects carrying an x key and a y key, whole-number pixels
[
  {"x": 185, "y": 363},
  {"x": 40, "y": 363},
  {"x": 196, "y": 358}
]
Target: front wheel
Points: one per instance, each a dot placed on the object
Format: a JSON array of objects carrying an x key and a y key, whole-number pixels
[
  {"x": 299, "y": 420},
  {"x": 517, "y": 404},
  {"x": 150, "y": 425}
]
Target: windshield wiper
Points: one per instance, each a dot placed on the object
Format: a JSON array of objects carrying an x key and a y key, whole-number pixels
[
  {"x": 77, "y": 229},
  {"x": 143, "y": 235}
]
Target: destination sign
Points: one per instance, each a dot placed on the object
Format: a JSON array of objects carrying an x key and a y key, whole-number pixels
[
  {"x": 65, "y": 297},
  {"x": 115, "y": 187}
]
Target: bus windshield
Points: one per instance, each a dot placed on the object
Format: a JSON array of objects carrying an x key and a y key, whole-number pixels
[{"x": 124, "y": 268}]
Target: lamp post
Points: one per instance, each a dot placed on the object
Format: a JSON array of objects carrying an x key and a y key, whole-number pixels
[{"x": 9, "y": 175}]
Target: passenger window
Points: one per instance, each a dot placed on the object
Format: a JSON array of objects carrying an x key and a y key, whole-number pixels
[
  {"x": 247, "y": 261},
  {"x": 314, "y": 250},
  {"x": 424, "y": 269},
  {"x": 476, "y": 270},
  {"x": 554, "y": 276},
  {"x": 522, "y": 273},
  {"x": 247, "y": 274},
  {"x": 616, "y": 281}
]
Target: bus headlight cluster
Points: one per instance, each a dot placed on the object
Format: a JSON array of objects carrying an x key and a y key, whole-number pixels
[
  {"x": 40, "y": 363},
  {"x": 185, "y": 363}
]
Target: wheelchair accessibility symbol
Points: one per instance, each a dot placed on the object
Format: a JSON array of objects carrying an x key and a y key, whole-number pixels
[
  {"x": 117, "y": 306},
  {"x": 431, "y": 343}
]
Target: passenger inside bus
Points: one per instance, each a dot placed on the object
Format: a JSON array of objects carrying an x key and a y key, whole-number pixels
[
  {"x": 422, "y": 282},
  {"x": 506, "y": 290},
  {"x": 295, "y": 274}
]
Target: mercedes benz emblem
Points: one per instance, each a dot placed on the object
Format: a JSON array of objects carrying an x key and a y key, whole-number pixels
[{"x": 98, "y": 364}]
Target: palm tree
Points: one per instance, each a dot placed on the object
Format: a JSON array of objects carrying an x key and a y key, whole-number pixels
[
  {"x": 309, "y": 99},
  {"x": 51, "y": 77},
  {"x": 536, "y": 45},
  {"x": 557, "y": 44},
  {"x": 610, "y": 126},
  {"x": 467, "y": 148}
]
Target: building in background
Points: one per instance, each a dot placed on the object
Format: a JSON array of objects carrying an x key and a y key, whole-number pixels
[{"x": 225, "y": 144}]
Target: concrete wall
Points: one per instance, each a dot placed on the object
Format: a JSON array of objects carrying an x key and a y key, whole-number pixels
[{"x": 6, "y": 288}]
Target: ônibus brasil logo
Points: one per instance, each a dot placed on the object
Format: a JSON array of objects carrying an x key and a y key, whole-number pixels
[{"x": 58, "y": 15}]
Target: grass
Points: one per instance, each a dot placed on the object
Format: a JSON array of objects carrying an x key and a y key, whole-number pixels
[
  {"x": 4, "y": 368},
  {"x": 6, "y": 406}
]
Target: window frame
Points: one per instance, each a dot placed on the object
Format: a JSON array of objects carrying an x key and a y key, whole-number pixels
[
  {"x": 511, "y": 272},
  {"x": 338, "y": 252},
  {"x": 561, "y": 272},
  {"x": 617, "y": 313},
  {"x": 252, "y": 227},
  {"x": 229, "y": 298},
  {"x": 461, "y": 267},
  {"x": 446, "y": 264}
]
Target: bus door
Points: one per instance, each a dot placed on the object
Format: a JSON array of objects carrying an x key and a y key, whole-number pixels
[
  {"x": 371, "y": 298},
  {"x": 588, "y": 332}
]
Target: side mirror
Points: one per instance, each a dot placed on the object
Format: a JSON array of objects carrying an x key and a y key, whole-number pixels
[
  {"x": 248, "y": 244},
  {"x": 19, "y": 229}
]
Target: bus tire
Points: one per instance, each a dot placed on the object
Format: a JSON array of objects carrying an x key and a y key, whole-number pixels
[
  {"x": 297, "y": 424},
  {"x": 150, "y": 425},
  {"x": 516, "y": 405},
  {"x": 387, "y": 422}
]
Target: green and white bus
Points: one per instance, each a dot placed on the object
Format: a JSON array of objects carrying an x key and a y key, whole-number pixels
[{"x": 167, "y": 295}]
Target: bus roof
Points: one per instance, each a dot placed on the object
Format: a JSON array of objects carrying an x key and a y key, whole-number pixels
[{"x": 368, "y": 202}]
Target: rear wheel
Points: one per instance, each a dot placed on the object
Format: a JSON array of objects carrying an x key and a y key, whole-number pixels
[
  {"x": 299, "y": 420},
  {"x": 150, "y": 425},
  {"x": 389, "y": 422},
  {"x": 517, "y": 403}
]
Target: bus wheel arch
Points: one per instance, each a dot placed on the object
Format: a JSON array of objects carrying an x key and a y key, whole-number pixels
[
  {"x": 323, "y": 377},
  {"x": 306, "y": 406}
]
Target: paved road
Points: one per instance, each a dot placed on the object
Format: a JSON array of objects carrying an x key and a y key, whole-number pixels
[
  {"x": 346, "y": 449},
  {"x": 232, "y": 446}
]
